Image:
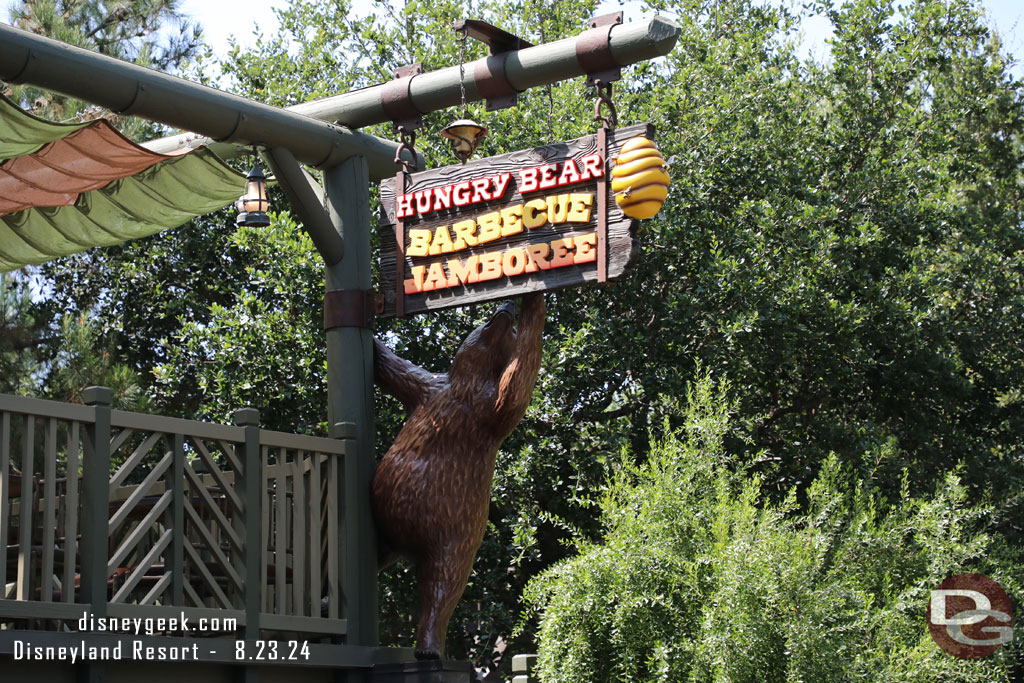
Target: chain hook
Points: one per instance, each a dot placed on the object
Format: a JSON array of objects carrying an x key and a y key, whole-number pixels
[
  {"x": 408, "y": 143},
  {"x": 604, "y": 98}
]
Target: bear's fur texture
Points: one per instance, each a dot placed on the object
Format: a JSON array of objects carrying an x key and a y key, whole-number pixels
[{"x": 431, "y": 491}]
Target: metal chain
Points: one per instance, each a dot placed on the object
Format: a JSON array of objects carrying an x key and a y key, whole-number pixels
[
  {"x": 551, "y": 113},
  {"x": 550, "y": 93},
  {"x": 463, "y": 35},
  {"x": 604, "y": 98}
]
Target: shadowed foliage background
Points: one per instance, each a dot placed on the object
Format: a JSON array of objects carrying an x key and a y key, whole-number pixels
[{"x": 842, "y": 243}]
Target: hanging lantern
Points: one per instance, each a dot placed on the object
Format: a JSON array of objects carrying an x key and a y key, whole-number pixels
[
  {"x": 465, "y": 135},
  {"x": 639, "y": 180},
  {"x": 252, "y": 206}
]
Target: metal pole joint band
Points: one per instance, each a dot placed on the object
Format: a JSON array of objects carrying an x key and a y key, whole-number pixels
[
  {"x": 351, "y": 308},
  {"x": 396, "y": 98},
  {"x": 594, "y": 51},
  {"x": 493, "y": 83},
  {"x": 489, "y": 74}
]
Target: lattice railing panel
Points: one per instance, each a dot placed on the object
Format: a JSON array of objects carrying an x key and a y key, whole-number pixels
[
  {"x": 213, "y": 524},
  {"x": 40, "y": 456},
  {"x": 141, "y": 524},
  {"x": 296, "y": 510},
  {"x": 145, "y": 513}
]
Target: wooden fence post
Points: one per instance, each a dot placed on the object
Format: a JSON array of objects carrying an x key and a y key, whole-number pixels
[
  {"x": 251, "y": 485},
  {"x": 96, "y": 501},
  {"x": 522, "y": 668},
  {"x": 177, "y": 556},
  {"x": 95, "y": 516}
]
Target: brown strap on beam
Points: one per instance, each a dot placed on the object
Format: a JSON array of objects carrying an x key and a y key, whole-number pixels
[
  {"x": 594, "y": 51},
  {"x": 349, "y": 308},
  {"x": 396, "y": 98},
  {"x": 489, "y": 74},
  {"x": 493, "y": 84}
]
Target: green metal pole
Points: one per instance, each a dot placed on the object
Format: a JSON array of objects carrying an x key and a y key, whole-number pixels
[{"x": 350, "y": 396}]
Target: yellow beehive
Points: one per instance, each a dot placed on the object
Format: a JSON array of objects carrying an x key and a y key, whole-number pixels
[{"x": 639, "y": 180}]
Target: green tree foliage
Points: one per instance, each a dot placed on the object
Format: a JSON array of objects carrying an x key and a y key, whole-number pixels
[
  {"x": 20, "y": 334},
  {"x": 211, "y": 317},
  {"x": 699, "y": 578},
  {"x": 152, "y": 33},
  {"x": 49, "y": 346},
  {"x": 250, "y": 341},
  {"x": 83, "y": 361},
  {"x": 842, "y": 240}
]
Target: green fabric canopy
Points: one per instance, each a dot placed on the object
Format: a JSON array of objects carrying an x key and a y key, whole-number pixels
[
  {"x": 25, "y": 133},
  {"x": 169, "y": 192}
]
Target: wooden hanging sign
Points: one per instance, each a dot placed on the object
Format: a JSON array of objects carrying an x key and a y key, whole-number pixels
[{"x": 532, "y": 220}]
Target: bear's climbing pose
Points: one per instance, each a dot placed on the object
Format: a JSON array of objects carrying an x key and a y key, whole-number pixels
[{"x": 431, "y": 491}]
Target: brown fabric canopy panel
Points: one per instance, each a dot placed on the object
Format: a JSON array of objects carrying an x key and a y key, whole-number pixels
[
  {"x": 87, "y": 159},
  {"x": 67, "y": 187}
]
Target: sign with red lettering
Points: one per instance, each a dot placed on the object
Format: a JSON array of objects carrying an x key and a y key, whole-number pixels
[{"x": 536, "y": 219}]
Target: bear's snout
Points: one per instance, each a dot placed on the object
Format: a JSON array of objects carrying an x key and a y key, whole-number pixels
[{"x": 508, "y": 308}]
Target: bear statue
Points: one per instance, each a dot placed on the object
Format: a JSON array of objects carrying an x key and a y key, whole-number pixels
[{"x": 431, "y": 491}]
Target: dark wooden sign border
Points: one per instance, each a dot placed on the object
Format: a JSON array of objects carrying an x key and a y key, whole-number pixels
[{"x": 620, "y": 246}]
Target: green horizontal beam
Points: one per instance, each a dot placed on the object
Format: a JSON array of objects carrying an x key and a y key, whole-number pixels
[
  {"x": 528, "y": 68},
  {"x": 137, "y": 91},
  {"x": 531, "y": 67}
]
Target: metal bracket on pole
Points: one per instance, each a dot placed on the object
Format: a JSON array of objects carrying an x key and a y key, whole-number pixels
[
  {"x": 594, "y": 52},
  {"x": 400, "y": 251},
  {"x": 602, "y": 207},
  {"x": 493, "y": 84},
  {"x": 604, "y": 99},
  {"x": 396, "y": 99},
  {"x": 496, "y": 39},
  {"x": 398, "y": 104},
  {"x": 489, "y": 74},
  {"x": 350, "y": 308}
]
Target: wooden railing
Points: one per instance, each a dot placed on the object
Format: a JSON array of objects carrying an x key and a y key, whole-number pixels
[{"x": 119, "y": 514}]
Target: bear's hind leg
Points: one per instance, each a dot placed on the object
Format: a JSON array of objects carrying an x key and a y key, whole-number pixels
[{"x": 441, "y": 581}]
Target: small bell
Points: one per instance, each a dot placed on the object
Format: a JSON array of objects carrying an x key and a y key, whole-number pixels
[{"x": 465, "y": 135}]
